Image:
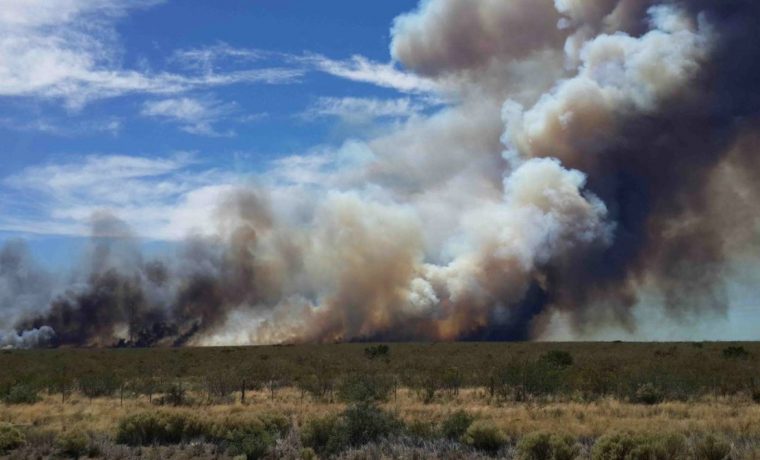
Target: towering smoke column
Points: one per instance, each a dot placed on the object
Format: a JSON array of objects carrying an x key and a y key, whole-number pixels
[{"x": 593, "y": 147}]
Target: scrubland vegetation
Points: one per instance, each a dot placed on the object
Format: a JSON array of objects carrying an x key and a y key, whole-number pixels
[{"x": 603, "y": 401}]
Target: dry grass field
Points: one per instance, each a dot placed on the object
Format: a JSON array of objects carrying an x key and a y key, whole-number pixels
[{"x": 526, "y": 401}]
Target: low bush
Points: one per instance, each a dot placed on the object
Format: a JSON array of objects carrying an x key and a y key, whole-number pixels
[
  {"x": 484, "y": 436},
  {"x": 614, "y": 446},
  {"x": 623, "y": 446},
  {"x": 21, "y": 394},
  {"x": 365, "y": 389},
  {"x": 72, "y": 444},
  {"x": 10, "y": 438},
  {"x": 711, "y": 448},
  {"x": 359, "y": 424},
  {"x": 148, "y": 428},
  {"x": 363, "y": 423},
  {"x": 668, "y": 447},
  {"x": 252, "y": 437},
  {"x": 455, "y": 426},
  {"x": 735, "y": 352},
  {"x": 377, "y": 351},
  {"x": 557, "y": 358},
  {"x": 648, "y": 394},
  {"x": 421, "y": 429},
  {"x": 546, "y": 446},
  {"x": 318, "y": 434}
]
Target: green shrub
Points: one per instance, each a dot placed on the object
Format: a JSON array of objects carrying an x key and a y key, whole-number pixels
[
  {"x": 21, "y": 394},
  {"x": 735, "y": 352},
  {"x": 10, "y": 438},
  {"x": 484, "y": 436},
  {"x": 377, "y": 351},
  {"x": 545, "y": 446},
  {"x": 307, "y": 453},
  {"x": 669, "y": 447},
  {"x": 365, "y": 388},
  {"x": 455, "y": 426},
  {"x": 250, "y": 437},
  {"x": 557, "y": 358},
  {"x": 72, "y": 444},
  {"x": 359, "y": 424},
  {"x": 421, "y": 429},
  {"x": 711, "y": 448},
  {"x": 317, "y": 433},
  {"x": 623, "y": 446},
  {"x": 251, "y": 444},
  {"x": 365, "y": 423},
  {"x": 147, "y": 428},
  {"x": 648, "y": 394},
  {"x": 614, "y": 446}
]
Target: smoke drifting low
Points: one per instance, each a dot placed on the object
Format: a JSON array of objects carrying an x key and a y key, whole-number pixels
[{"x": 594, "y": 147}]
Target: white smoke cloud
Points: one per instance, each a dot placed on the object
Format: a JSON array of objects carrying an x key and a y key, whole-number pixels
[{"x": 552, "y": 185}]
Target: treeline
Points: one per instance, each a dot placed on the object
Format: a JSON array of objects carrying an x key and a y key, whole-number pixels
[{"x": 377, "y": 372}]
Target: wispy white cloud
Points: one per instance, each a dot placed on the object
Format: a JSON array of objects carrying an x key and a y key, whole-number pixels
[
  {"x": 195, "y": 115},
  {"x": 359, "y": 110},
  {"x": 63, "y": 128},
  {"x": 69, "y": 50},
  {"x": 209, "y": 59},
  {"x": 163, "y": 198},
  {"x": 361, "y": 69}
]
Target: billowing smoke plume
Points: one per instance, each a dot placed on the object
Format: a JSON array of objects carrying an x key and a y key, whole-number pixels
[{"x": 593, "y": 147}]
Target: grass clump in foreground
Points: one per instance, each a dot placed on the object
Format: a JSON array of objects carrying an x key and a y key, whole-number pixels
[
  {"x": 10, "y": 438},
  {"x": 547, "y": 446},
  {"x": 485, "y": 436},
  {"x": 628, "y": 446},
  {"x": 359, "y": 424},
  {"x": 73, "y": 444},
  {"x": 252, "y": 437},
  {"x": 456, "y": 425}
]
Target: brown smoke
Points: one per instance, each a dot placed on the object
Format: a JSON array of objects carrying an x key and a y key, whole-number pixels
[{"x": 594, "y": 147}]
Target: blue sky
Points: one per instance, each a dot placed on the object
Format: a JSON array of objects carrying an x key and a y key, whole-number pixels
[{"x": 186, "y": 94}]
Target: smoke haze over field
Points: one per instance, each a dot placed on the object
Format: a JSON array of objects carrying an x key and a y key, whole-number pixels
[{"x": 588, "y": 152}]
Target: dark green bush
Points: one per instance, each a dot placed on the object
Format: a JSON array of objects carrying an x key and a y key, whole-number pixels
[
  {"x": 421, "y": 429},
  {"x": 377, "y": 351},
  {"x": 623, "y": 446},
  {"x": 147, "y": 428},
  {"x": 546, "y": 446},
  {"x": 73, "y": 444},
  {"x": 668, "y": 447},
  {"x": 365, "y": 388},
  {"x": 614, "y": 446},
  {"x": 318, "y": 433},
  {"x": 711, "y": 448},
  {"x": 484, "y": 436},
  {"x": 557, "y": 358},
  {"x": 735, "y": 352},
  {"x": 251, "y": 437},
  {"x": 21, "y": 394},
  {"x": 455, "y": 426},
  {"x": 364, "y": 423},
  {"x": 648, "y": 394},
  {"x": 10, "y": 438},
  {"x": 358, "y": 425}
]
